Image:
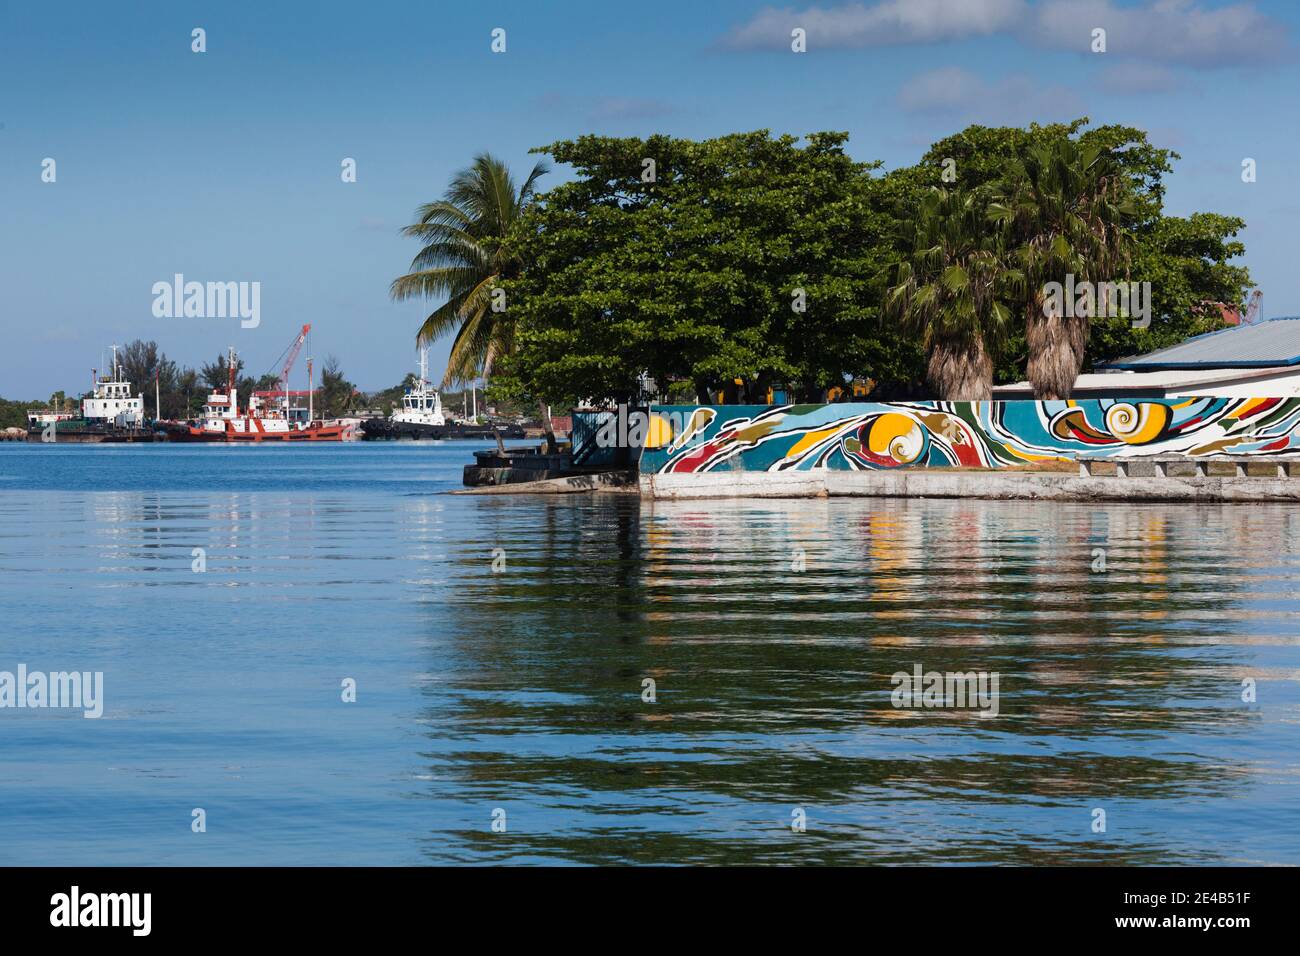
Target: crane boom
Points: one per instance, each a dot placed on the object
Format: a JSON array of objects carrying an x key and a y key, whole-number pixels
[{"x": 292, "y": 356}]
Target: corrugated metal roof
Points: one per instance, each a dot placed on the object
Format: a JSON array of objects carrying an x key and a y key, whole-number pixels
[{"x": 1273, "y": 342}]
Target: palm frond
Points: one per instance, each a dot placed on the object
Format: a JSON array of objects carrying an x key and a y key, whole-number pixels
[{"x": 464, "y": 255}]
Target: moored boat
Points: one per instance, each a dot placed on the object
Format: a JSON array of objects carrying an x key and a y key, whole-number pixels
[
  {"x": 109, "y": 414},
  {"x": 420, "y": 415},
  {"x": 222, "y": 420}
]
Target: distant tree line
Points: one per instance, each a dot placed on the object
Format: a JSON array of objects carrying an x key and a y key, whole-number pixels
[{"x": 182, "y": 390}]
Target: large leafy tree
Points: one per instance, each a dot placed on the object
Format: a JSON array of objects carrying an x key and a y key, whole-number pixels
[
  {"x": 727, "y": 265},
  {"x": 1067, "y": 209},
  {"x": 681, "y": 261},
  {"x": 951, "y": 290},
  {"x": 466, "y": 255}
]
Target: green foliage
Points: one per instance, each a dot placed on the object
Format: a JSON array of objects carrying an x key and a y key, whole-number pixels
[
  {"x": 391, "y": 397},
  {"x": 337, "y": 396},
  {"x": 140, "y": 362},
  {"x": 1067, "y": 209},
  {"x": 14, "y": 414},
  {"x": 693, "y": 276},
  {"x": 951, "y": 289},
  {"x": 1185, "y": 260},
  {"x": 466, "y": 256},
  {"x": 689, "y": 275}
]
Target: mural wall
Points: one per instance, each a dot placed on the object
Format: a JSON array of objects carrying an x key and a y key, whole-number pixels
[{"x": 867, "y": 435}]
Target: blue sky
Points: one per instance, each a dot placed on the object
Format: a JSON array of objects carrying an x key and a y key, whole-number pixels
[{"x": 225, "y": 166}]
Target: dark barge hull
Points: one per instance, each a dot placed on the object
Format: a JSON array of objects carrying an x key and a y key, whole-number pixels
[
  {"x": 83, "y": 433},
  {"x": 381, "y": 428}
]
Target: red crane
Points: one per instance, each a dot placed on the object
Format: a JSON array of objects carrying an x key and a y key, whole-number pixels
[{"x": 290, "y": 355}]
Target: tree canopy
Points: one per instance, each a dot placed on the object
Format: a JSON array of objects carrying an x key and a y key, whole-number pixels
[
  {"x": 731, "y": 264},
  {"x": 747, "y": 257}
]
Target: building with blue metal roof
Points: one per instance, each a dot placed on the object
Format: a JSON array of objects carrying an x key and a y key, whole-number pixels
[{"x": 1257, "y": 360}]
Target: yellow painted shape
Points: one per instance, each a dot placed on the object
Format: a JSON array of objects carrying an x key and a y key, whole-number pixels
[
  {"x": 1251, "y": 405},
  {"x": 885, "y": 429},
  {"x": 659, "y": 432},
  {"x": 1151, "y": 420},
  {"x": 809, "y": 440}
]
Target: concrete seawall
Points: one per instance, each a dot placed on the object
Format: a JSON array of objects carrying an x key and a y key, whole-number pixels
[{"x": 940, "y": 483}]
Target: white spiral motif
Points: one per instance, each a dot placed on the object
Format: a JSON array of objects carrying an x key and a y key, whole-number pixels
[{"x": 1122, "y": 419}]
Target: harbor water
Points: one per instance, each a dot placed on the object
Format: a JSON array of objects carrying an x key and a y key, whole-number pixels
[{"x": 591, "y": 679}]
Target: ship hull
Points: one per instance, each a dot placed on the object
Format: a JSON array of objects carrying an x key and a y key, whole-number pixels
[
  {"x": 89, "y": 434},
  {"x": 382, "y": 428},
  {"x": 320, "y": 433}
]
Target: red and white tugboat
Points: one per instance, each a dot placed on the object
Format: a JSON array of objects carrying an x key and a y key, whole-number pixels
[{"x": 222, "y": 419}]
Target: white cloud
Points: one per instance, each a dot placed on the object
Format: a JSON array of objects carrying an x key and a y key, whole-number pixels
[
  {"x": 1014, "y": 99},
  {"x": 886, "y": 23},
  {"x": 1183, "y": 32},
  {"x": 1170, "y": 31}
]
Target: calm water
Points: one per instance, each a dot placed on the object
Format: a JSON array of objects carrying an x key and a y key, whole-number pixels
[{"x": 521, "y": 690}]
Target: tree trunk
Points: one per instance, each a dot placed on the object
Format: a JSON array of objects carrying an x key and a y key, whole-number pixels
[
  {"x": 960, "y": 371},
  {"x": 1057, "y": 345}
]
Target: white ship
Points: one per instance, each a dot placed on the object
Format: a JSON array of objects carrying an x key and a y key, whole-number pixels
[
  {"x": 112, "y": 399},
  {"x": 109, "y": 413},
  {"x": 421, "y": 404},
  {"x": 420, "y": 415}
]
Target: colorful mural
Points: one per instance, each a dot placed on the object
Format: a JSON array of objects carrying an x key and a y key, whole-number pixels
[{"x": 868, "y": 435}]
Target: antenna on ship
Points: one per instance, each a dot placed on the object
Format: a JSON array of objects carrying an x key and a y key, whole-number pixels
[
  {"x": 311, "y": 404},
  {"x": 230, "y": 383}
]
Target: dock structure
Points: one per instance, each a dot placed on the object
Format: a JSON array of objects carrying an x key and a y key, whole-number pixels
[
  {"x": 1163, "y": 466},
  {"x": 996, "y": 484}
]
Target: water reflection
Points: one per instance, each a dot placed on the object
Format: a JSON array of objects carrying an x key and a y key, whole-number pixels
[
  {"x": 1120, "y": 688},
  {"x": 770, "y": 629}
]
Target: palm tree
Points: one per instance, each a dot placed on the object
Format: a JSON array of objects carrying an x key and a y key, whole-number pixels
[
  {"x": 466, "y": 256},
  {"x": 1065, "y": 207},
  {"x": 949, "y": 288}
]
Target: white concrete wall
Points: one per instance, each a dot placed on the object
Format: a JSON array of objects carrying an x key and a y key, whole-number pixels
[{"x": 941, "y": 483}]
